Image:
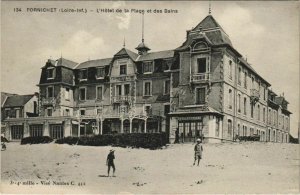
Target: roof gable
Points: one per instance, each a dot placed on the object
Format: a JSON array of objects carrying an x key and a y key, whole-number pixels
[
  {"x": 208, "y": 22},
  {"x": 126, "y": 52}
]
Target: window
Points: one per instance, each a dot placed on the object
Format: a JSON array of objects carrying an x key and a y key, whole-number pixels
[
  {"x": 7, "y": 112},
  {"x": 34, "y": 107},
  {"x": 167, "y": 64},
  {"x": 67, "y": 94},
  {"x": 264, "y": 114},
  {"x": 167, "y": 87},
  {"x": 100, "y": 73},
  {"x": 123, "y": 69},
  {"x": 245, "y": 106},
  {"x": 148, "y": 109},
  {"x": 201, "y": 62},
  {"x": 82, "y": 112},
  {"x": 230, "y": 69},
  {"x": 245, "y": 80},
  {"x": 83, "y": 74},
  {"x": 36, "y": 130},
  {"x": 50, "y": 92},
  {"x": 200, "y": 95},
  {"x": 50, "y": 73},
  {"x": 147, "y": 88},
  {"x": 99, "y": 92},
  {"x": 229, "y": 127},
  {"x": 49, "y": 111},
  {"x": 118, "y": 90},
  {"x": 230, "y": 99},
  {"x": 239, "y": 102},
  {"x": 252, "y": 110},
  {"x": 148, "y": 67},
  {"x": 258, "y": 112},
  {"x": 56, "y": 131},
  {"x": 264, "y": 93},
  {"x": 82, "y": 93},
  {"x": 17, "y": 131},
  {"x": 240, "y": 75},
  {"x": 13, "y": 113},
  {"x": 127, "y": 89}
]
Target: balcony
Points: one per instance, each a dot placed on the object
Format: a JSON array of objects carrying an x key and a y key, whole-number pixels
[
  {"x": 122, "y": 98},
  {"x": 123, "y": 78},
  {"x": 48, "y": 101},
  {"x": 200, "y": 77},
  {"x": 254, "y": 95}
]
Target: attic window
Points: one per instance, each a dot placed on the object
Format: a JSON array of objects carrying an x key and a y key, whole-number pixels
[
  {"x": 100, "y": 73},
  {"x": 167, "y": 64},
  {"x": 50, "y": 73},
  {"x": 83, "y": 74},
  {"x": 148, "y": 67}
]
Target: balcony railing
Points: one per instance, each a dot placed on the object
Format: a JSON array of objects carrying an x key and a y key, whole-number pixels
[
  {"x": 123, "y": 78},
  {"x": 48, "y": 101},
  {"x": 122, "y": 98},
  {"x": 201, "y": 77}
]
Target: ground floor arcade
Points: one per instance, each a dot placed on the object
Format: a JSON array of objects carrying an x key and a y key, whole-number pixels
[{"x": 58, "y": 127}]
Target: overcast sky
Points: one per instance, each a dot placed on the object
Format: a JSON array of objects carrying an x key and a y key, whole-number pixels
[{"x": 266, "y": 32}]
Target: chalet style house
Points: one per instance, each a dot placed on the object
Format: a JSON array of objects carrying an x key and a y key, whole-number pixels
[{"x": 203, "y": 88}]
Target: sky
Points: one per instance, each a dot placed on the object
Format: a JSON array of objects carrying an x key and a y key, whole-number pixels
[{"x": 266, "y": 32}]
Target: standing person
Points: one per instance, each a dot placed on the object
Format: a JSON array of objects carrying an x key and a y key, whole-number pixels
[
  {"x": 198, "y": 151},
  {"x": 176, "y": 136},
  {"x": 110, "y": 162}
]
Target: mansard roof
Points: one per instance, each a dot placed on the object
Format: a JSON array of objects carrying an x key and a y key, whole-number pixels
[
  {"x": 208, "y": 29},
  {"x": 66, "y": 63},
  {"x": 126, "y": 52},
  {"x": 17, "y": 100},
  {"x": 156, "y": 55},
  {"x": 62, "y": 62},
  {"x": 94, "y": 63},
  {"x": 280, "y": 100}
]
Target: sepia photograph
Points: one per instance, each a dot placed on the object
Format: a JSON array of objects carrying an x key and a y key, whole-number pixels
[{"x": 150, "y": 97}]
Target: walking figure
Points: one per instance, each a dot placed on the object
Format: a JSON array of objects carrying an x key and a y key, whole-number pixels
[
  {"x": 198, "y": 151},
  {"x": 110, "y": 162},
  {"x": 3, "y": 146}
]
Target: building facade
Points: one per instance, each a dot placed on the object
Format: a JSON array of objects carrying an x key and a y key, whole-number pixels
[{"x": 204, "y": 88}]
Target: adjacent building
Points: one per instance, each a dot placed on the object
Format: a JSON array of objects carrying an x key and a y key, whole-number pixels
[
  {"x": 17, "y": 108},
  {"x": 203, "y": 88}
]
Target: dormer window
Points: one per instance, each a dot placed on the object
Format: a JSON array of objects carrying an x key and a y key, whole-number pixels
[
  {"x": 50, "y": 73},
  {"x": 167, "y": 64},
  {"x": 147, "y": 67},
  {"x": 83, "y": 75},
  {"x": 123, "y": 69},
  {"x": 100, "y": 73}
]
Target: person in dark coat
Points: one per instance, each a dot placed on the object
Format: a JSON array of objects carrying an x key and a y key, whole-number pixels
[
  {"x": 110, "y": 162},
  {"x": 176, "y": 136}
]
